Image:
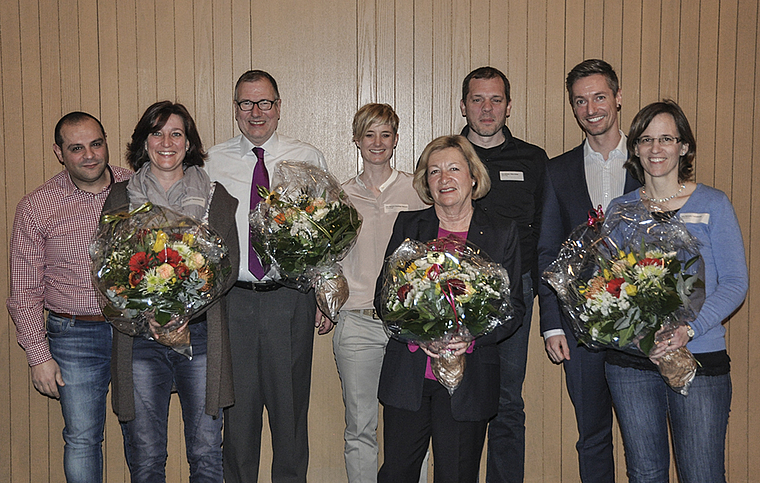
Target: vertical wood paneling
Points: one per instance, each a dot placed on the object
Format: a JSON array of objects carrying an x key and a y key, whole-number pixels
[
  {"x": 423, "y": 74},
  {"x": 516, "y": 66},
  {"x": 593, "y": 38},
  {"x": 113, "y": 59},
  {"x": 184, "y": 48},
  {"x": 108, "y": 73},
  {"x": 165, "y": 51},
  {"x": 572, "y": 47},
  {"x": 10, "y": 55},
  {"x": 706, "y": 90},
  {"x": 6, "y": 329},
  {"x": 443, "y": 39},
  {"x": 752, "y": 234},
  {"x": 366, "y": 51},
  {"x": 385, "y": 58},
  {"x": 739, "y": 343},
  {"x": 481, "y": 25},
  {"x": 630, "y": 67},
  {"x": 404, "y": 104},
  {"x": 148, "y": 48}
]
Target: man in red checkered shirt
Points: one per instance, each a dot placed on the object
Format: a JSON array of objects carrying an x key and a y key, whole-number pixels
[{"x": 69, "y": 357}]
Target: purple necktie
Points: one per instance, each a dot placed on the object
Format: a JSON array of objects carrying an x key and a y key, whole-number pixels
[{"x": 260, "y": 178}]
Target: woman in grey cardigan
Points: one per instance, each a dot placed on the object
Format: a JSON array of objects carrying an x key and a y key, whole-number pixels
[{"x": 167, "y": 155}]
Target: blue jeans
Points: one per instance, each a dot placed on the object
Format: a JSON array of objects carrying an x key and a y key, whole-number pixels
[
  {"x": 83, "y": 352},
  {"x": 506, "y": 432},
  {"x": 644, "y": 403},
  {"x": 155, "y": 368}
]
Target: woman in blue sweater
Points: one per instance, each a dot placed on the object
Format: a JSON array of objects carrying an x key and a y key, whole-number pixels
[{"x": 663, "y": 149}]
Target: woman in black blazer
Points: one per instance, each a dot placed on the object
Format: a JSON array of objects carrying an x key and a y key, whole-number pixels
[{"x": 449, "y": 176}]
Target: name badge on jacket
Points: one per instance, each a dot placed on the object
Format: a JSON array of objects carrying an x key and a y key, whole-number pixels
[
  {"x": 395, "y": 207},
  {"x": 701, "y": 218},
  {"x": 511, "y": 176}
]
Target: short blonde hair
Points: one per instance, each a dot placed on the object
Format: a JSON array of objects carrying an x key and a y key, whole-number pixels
[
  {"x": 370, "y": 114},
  {"x": 478, "y": 170}
]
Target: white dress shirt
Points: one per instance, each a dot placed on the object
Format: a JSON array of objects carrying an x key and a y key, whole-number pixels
[
  {"x": 232, "y": 162},
  {"x": 605, "y": 178}
]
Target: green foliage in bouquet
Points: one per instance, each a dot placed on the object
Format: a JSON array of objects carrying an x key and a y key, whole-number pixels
[
  {"x": 632, "y": 294},
  {"x": 303, "y": 231},
  {"x": 145, "y": 261},
  {"x": 442, "y": 290}
]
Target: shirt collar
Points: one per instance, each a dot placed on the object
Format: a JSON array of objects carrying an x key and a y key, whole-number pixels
[
  {"x": 271, "y": 146},
  {"x": 382, "y": 187},
  {"x": 620, "y": 151},
  {"x": 508, "y": 138},
  {"x": 69, "y": 188}
]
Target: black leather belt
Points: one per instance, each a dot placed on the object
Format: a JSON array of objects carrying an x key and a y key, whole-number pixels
[{"x": 268, "y": 286}]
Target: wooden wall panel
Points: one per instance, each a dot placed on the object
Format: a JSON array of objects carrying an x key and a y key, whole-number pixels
[{"x": 115, "y": 58}]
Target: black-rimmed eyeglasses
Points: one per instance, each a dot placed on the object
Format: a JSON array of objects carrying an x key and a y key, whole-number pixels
[{"x": 264, "y": 104}]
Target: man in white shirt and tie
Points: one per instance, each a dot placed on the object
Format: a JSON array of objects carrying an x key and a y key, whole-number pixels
[{"x": 271, "y": 327}]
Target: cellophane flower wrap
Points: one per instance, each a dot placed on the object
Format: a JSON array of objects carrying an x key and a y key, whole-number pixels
[
  {"x": 154, "y": 263},
  {"x": 441, "y": 291},
  {"x": 304, "y": 226},
  {"x": 627, "y": 281}
]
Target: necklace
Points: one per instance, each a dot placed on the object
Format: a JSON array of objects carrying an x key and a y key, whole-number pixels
[{"x": 661, "y": 200}]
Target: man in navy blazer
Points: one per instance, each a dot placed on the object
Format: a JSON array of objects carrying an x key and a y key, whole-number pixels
[{"x": 586, "y": 177}]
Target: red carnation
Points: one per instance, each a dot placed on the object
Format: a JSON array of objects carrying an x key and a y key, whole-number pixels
[
  {"x": 613, "y": 286},
  {"x": 139, "y": 262},
  {"x": 403, "y": 291},
  {"x": 170, "y": 256}
]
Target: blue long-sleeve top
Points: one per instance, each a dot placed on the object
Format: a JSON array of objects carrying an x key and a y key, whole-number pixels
[{"x": 710, "y": 217}]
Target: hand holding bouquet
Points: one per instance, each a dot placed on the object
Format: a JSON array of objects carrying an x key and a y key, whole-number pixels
[
  {"x": 629, "y": 281},
  {"x": 442, "y": 292},
  {"x": 304, "y": 226},
  {"x": 156, "y": 269}
]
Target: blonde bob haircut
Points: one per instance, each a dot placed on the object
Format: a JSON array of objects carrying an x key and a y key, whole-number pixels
[
  {"x": 369, "y": 114},
  {"x": 478, "y": 170}
]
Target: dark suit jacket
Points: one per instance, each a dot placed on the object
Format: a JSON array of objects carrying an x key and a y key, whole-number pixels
[
  {"x": 403, "y": 372},
  {"x": 566, "y": 205}
]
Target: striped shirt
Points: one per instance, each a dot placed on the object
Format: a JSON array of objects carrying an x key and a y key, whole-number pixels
[
  {"x": 605, "y": 178},
  {"x": 49, "y": 258}
]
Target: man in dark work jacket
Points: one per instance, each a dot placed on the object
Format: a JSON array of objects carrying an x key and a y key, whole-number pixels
[{"x": 517, "y": 172}]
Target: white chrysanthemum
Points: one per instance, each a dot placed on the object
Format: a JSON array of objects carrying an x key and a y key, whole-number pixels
[
  {"x": 183, "y": 250},
  {"x": 649, "y": 272}
]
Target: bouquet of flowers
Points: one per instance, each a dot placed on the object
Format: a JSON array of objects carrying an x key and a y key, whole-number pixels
[
  {"x": 303, "y": 227},
  {"x": 442, "y": 291},
  {"x": 157, "y": 268},
  {"x": 629, "y": 283}
]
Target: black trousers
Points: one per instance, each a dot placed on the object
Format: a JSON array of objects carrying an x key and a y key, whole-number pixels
[
  {"x": 457, "y": 445},
  {"x": 271, "y": 337}
]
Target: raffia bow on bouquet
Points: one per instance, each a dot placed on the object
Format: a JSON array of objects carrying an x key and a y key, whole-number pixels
[
  {"x": 156, "y": 269},
  {"x": 443, "y": 291},
  {"x": 304, "y": 226},
  {"x": 628, "y": 281}
]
